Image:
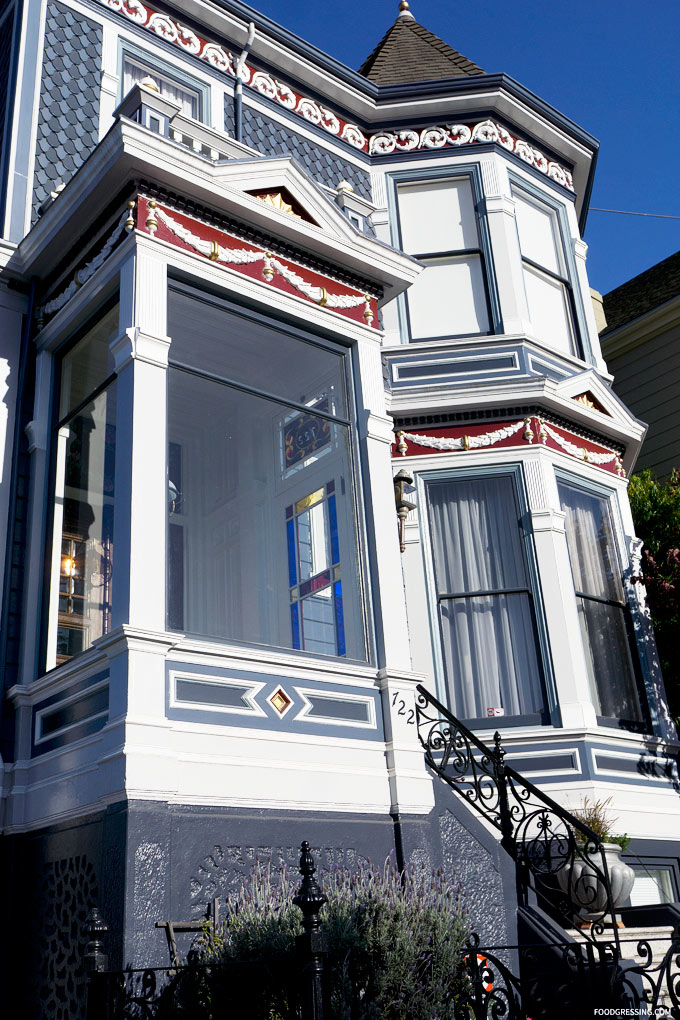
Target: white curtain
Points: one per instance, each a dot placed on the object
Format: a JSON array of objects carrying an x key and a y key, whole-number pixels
[
  {"x": 186, "y": 99},
  {"x": 596, "y": 572},
  {"x": 489, "y": 640}
]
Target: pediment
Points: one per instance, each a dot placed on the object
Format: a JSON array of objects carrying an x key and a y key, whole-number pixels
[
  {"x": 589, "y": 391},
  {"x": 282, "y": 176}
]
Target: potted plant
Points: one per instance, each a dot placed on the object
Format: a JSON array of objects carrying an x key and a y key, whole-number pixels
[{"x": 582, "y": 879}]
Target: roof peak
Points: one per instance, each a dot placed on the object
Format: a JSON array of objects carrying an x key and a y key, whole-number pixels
[
  {"x": 404, "y": 10},
  {"x": 408, "y": 52}
]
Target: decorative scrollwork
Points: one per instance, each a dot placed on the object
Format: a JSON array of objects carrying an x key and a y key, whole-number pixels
[
  {"x": 155, "y": 993},
  {"x": 657, "y": 988},
  {"x": 490, "y": 990},
  {"x": 459, "y": 758},
  {"x": 557, "y": 855}
]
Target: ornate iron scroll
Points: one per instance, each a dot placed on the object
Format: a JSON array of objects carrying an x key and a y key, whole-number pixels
[
  {"x": 152, "y": 994},
  {"x": 559, "y": 857},
  {"x": 460, "y": 758},
  {"x": 490, "y": 991},
  {"x": 658, "y": 984}
]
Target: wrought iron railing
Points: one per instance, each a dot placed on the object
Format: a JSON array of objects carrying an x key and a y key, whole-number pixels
[{"x": 558, "y": 856}]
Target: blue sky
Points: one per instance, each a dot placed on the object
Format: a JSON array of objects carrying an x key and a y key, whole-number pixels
[{"x": 612, "y": 67}]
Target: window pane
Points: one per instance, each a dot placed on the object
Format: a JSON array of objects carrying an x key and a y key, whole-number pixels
[
  {"x": 475, "y": 535},
  {"x": 82, "y": 562},
  {"x": 590, "y": 538},
  {"x": 609, "y": 662},
  {"x": 449, "y": 299},
  {"x": 539, "y": 236},
  {"x": 210, "y": 338},
  {"x": 262, "y": 530},
  {"x": 597, "y": 572},
  {"x": 187, "y": 99},
  {"x": 437, "y": 216},
  {"x": 88, "y": 363},
  {"x": 489, "y": 641},
  {"x": 490, "y": 656},
  {"x": 652, "y": 885},
  {"x": 549, "y": 309}
]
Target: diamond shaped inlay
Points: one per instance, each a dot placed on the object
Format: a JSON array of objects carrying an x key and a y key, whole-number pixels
[{"x": 280, "y": 701}]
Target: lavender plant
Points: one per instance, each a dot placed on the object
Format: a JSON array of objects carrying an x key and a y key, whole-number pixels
[{"x": 395, "y": 946}]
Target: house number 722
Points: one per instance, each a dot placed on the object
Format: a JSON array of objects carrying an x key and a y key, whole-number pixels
[{"x": 410, "y": 715}]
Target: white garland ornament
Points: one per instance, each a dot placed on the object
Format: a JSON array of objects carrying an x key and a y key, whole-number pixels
[
  {"x": 243, "y": 256},
  {"x": 81, "y": 276},
  {"x": 460, "y": 443},
  {"x": 588, "y": 456}
]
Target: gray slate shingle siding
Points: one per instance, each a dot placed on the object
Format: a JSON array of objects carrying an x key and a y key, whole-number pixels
[
  {"x": 273, "y": 139},
  {"x": 68, "y": 123}
]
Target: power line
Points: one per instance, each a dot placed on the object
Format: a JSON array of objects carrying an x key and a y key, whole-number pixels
[{"x": 626, "y": 212}]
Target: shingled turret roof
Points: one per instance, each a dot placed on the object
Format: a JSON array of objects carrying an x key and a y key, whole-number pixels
[{"x": 408, "y": 52}]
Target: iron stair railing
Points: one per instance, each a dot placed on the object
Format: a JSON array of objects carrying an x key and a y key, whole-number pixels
[{"x": 558, "y": 857}]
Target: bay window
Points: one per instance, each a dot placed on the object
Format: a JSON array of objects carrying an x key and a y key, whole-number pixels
[
  {"x": 602, "y": 608},
  {"x": 81, "y": 582},
  {"x": 438, "y": 223},
  {"x": 546, "y": 278},
  {"x": 484, "y": 599},
  {"x": 262, "y": 540}
]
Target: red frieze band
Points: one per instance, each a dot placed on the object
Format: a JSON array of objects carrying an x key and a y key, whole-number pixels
[
  {"x": 231, "y": 252},
  {"x": 518, "y": 433}
]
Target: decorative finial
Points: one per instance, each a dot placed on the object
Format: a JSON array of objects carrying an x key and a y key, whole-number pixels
[
  {"x": 344, "y": 186},
  {"x": 404, "y": 11},
  {"x": 150, "y": 83}
]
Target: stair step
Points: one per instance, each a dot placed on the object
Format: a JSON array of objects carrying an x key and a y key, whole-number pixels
[{"x": 659, "y": 939}]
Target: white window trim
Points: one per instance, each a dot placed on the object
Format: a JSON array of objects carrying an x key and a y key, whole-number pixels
[
  {"x": 630, "y": 602},
  {"x": 582, "y": 349}
]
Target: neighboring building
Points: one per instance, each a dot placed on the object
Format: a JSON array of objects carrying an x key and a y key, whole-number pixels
[
  {"x": 261, "y": 266},
  {"x": 641, "y": 343}
]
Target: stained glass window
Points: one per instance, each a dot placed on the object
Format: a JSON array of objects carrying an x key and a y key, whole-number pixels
[{"x": 314, "y": 573}]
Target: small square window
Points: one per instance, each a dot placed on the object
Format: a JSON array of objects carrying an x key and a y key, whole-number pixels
[{"x": 134, "y": 71}]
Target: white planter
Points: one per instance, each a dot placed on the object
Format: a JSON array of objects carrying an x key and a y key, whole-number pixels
[{"x": 585, "y": 888}]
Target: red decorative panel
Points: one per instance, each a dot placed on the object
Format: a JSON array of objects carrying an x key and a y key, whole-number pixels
[
  {"x": 231, "y": 252},
  {"x": 520, "y": 432}
]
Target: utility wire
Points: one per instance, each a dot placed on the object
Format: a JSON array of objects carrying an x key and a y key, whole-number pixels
[{"x": 626, "y": 212}]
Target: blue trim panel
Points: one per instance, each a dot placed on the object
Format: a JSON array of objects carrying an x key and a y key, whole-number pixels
[
  {"x": 339, "y": 618},
  {"x": 295, "y": 625},
  {"x": 588, "y": 761},
  {"x": 81, "y": 727},
  {"x": 333, "y": 521},
  {"x": 452, "y": 367},
  {"x": 292, "y": 553},
  {"x": 272, "y": 721}
]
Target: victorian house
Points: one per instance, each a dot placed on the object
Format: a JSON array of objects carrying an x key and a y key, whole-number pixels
[{"x": 243, "y": 288}]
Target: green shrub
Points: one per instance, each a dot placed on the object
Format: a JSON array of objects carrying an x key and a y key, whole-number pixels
[{"x": 395, "y": 944}]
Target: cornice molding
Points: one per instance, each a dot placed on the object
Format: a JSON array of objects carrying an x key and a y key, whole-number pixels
[{"x": 358, "y": 105}]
